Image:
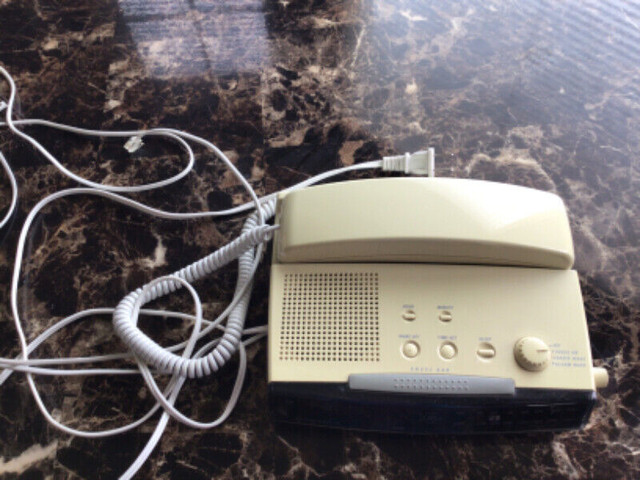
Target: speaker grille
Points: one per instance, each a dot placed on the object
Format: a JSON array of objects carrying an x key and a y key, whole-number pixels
[{"x": 330, "y": 317}]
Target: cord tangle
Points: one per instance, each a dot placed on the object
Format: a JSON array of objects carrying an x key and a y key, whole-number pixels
[{"x": 181, "y": 361}]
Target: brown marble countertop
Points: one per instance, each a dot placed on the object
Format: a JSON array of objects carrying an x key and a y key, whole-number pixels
[{"x": 536, "y": 93}]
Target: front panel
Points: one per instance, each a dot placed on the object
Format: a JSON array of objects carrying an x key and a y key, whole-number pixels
[{"x": 330, "y": 323}]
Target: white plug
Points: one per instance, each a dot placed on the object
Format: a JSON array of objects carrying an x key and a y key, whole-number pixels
[
  {"x": 417, "y": 163},
  {"x": 133, "y": 144}
]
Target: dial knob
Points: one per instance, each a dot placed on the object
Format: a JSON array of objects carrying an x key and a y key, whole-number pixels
[{"x": 532, "y": 354}]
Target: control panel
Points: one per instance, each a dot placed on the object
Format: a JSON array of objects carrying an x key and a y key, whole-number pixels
[{"x": 329, "y": 322}]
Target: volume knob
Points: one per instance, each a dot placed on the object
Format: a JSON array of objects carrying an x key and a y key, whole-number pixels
[{"x": 532, "y": 354}]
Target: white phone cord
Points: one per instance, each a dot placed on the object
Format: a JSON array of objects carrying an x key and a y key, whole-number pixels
[
  {"x": 14, "y": 190},
  {"x": 9, "y": 122},
  {"x": 12, "y": 182},
  {"x": 247, "y": 248},
  {"x": 125, "y": 315}
]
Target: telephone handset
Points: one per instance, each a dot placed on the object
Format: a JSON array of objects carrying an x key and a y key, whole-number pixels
[{"x": 432, "y": 220}]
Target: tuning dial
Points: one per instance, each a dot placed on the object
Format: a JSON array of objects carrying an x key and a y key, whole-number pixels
[{"x": 532, "y": 354}]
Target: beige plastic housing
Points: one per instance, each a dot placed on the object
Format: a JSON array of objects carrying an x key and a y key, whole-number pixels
[
  {"x": 328, "y": 321},
  {"x": 435, "y": 220}
]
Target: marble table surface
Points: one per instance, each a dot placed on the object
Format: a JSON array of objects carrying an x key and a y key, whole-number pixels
[{"x": 537, "y": 93}]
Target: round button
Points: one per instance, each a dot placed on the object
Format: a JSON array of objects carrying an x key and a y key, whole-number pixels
[
  {"x": 409, "y": 315},
  {"x": 486, "y": 351},
  {"x": 445, "y": 316},
  {"x": 448, "y": 350},
  {"x": 532, "y": 354},
  {"x": 410, "y": 349}
]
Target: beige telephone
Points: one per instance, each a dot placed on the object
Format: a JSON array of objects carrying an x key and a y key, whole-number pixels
[{"x": 427, "y": 305}]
